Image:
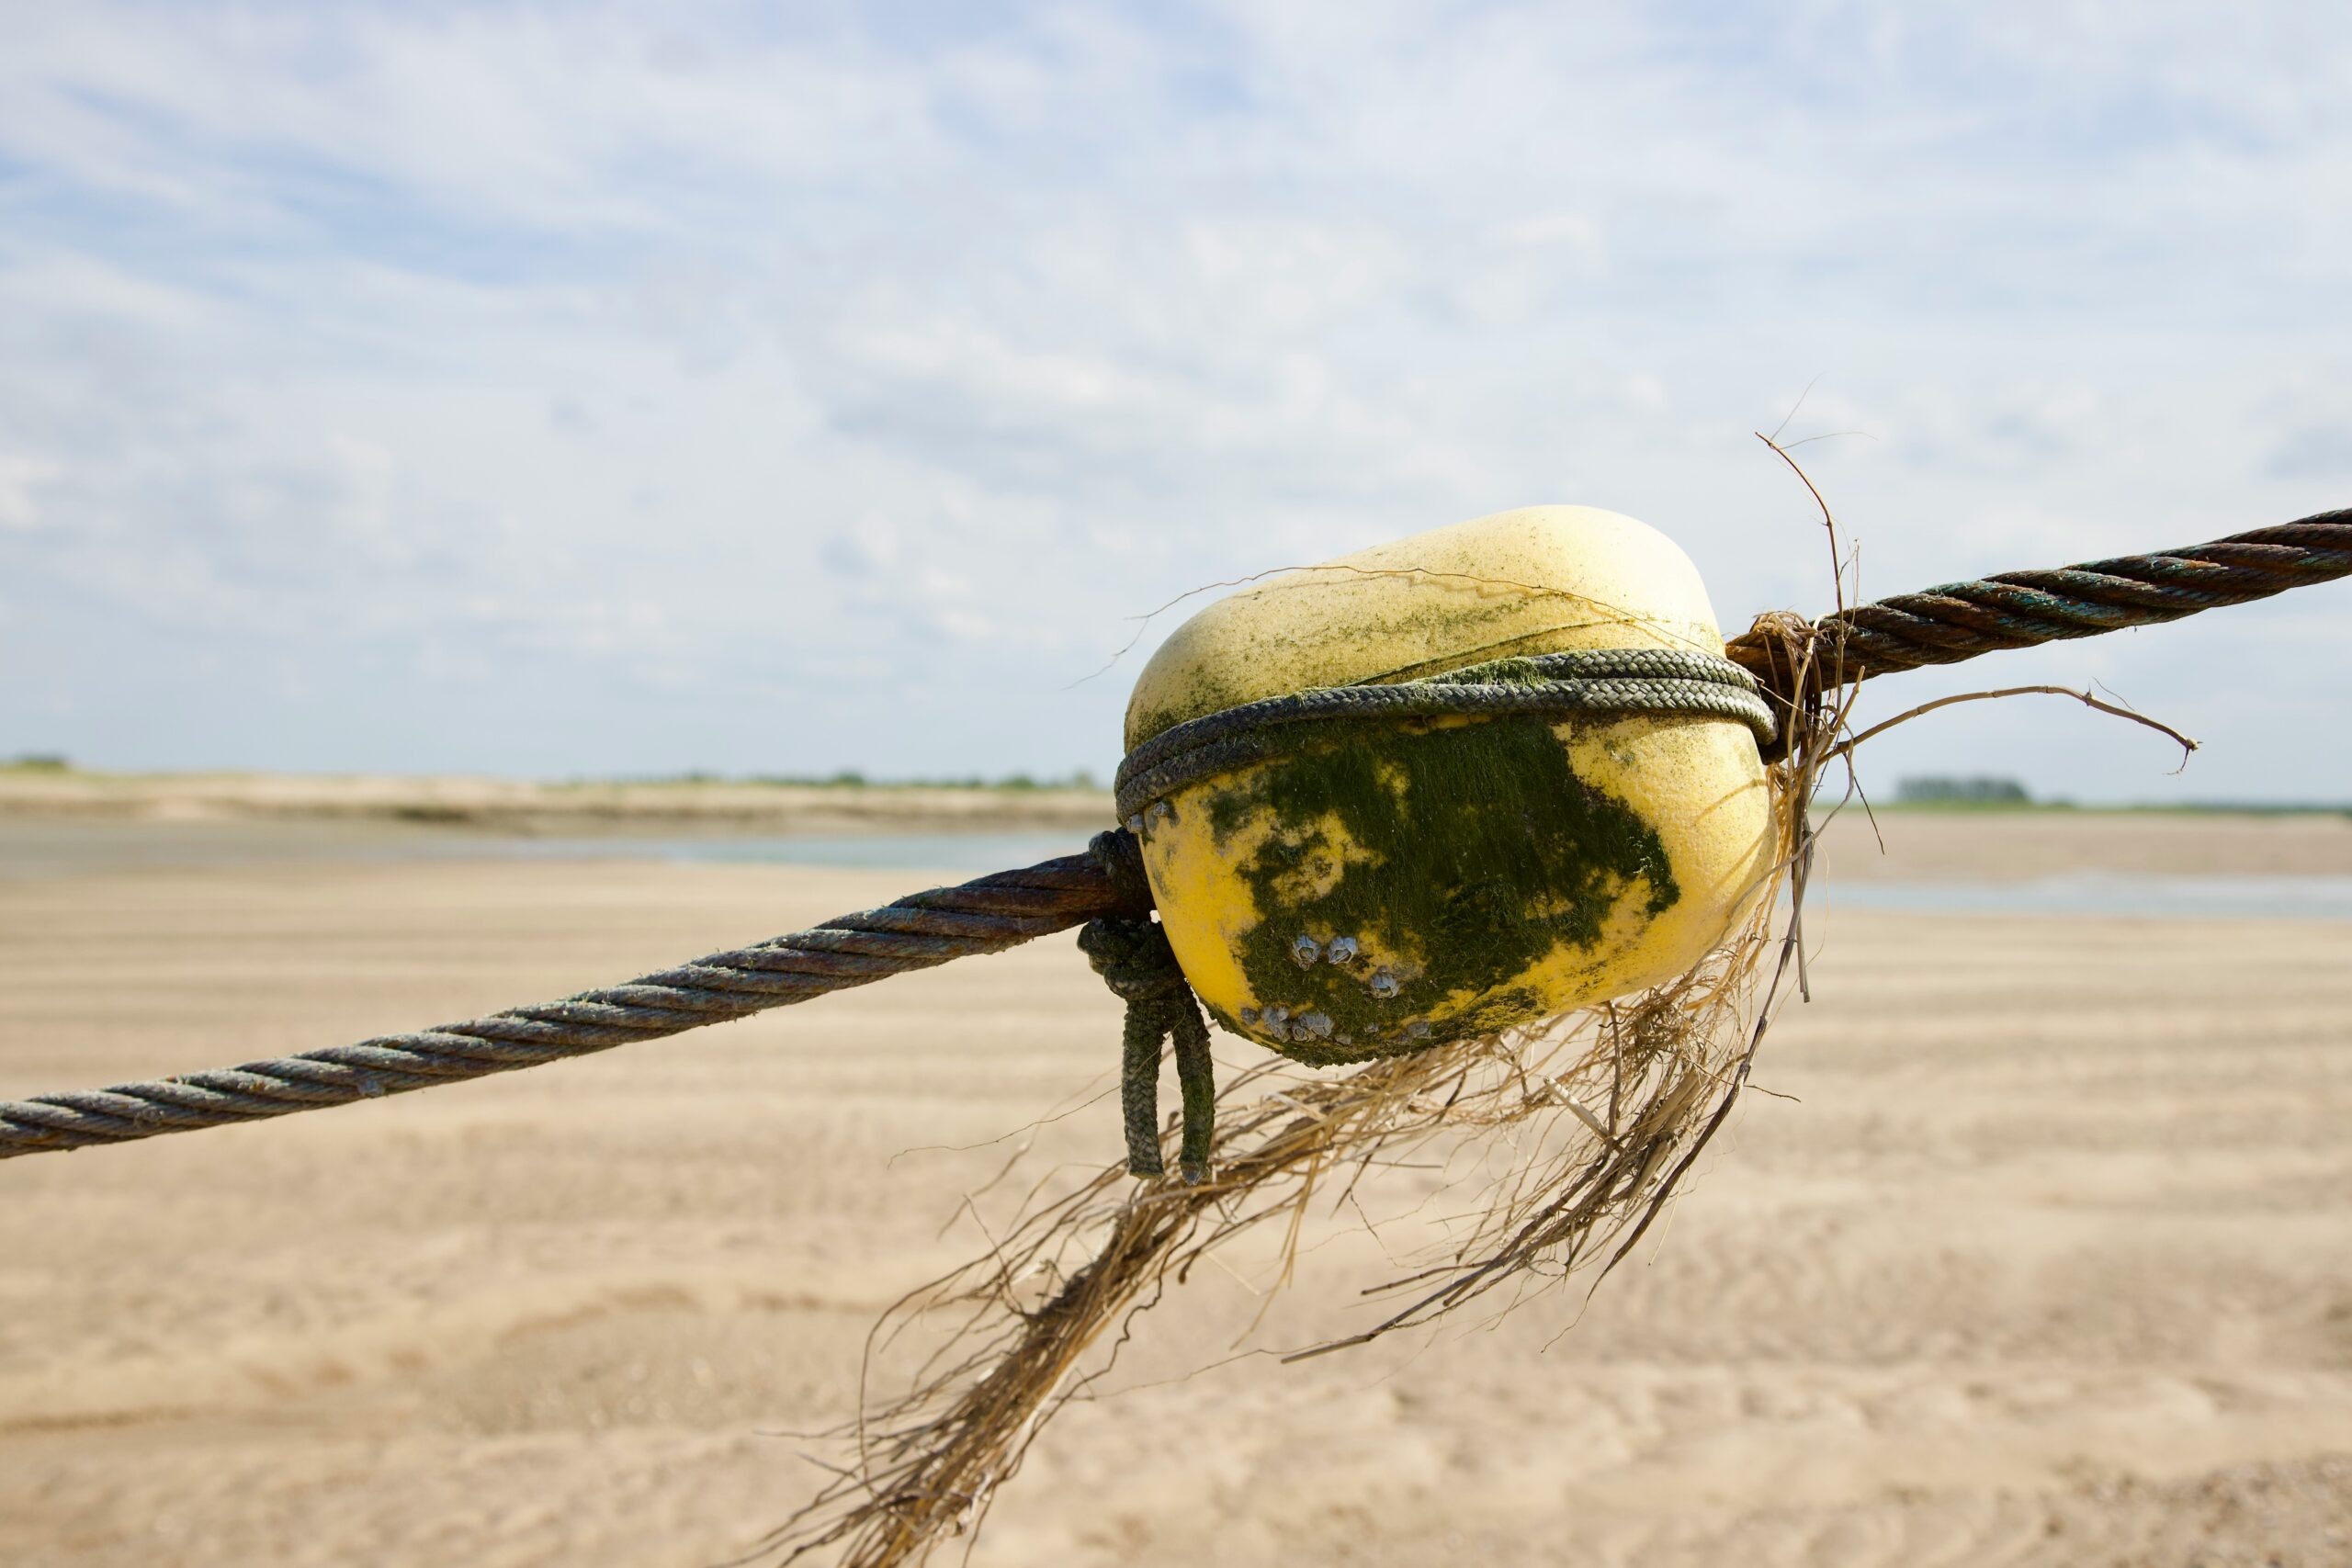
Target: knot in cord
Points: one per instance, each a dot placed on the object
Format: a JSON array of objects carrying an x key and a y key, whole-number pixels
[
  {"x": 1118, "y": 856},
  {"x": 1794, "y": 660},
  {"x": 1135, "y": 962},
  {"x": 1133, "y": 957}
]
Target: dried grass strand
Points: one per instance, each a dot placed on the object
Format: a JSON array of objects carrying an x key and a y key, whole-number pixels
[{"x": 1670, "y": 1065}]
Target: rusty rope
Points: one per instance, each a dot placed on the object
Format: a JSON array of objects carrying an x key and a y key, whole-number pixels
[
  {"x": 2021, "y": 609},
  {"x": 987, "y": 915}
]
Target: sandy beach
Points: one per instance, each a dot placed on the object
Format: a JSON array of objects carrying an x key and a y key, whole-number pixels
[
  {"x": 2038, "y": 1252},
  {"x": 346, "y": 801}
]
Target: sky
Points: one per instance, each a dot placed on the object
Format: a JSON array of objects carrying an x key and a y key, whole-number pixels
[{"x": 592, "y": 390}]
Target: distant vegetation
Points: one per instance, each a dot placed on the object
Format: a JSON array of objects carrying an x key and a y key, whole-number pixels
[
  {"x": 851, "y": 779},
  {"x": 847, "y": 778},
  {"x": 1943, "y": 790}
]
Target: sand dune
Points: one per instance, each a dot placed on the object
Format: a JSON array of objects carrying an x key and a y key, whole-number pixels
[{"x": 2047, "y": 1261}]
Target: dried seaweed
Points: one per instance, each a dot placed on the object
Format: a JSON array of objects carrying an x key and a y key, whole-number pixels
[{"x": 1594, "y": 1119}]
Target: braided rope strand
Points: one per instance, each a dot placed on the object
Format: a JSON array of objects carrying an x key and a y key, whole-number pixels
[
  {"x": 987, "y": 915},
  {"x": 1603, "y": 681},
  {"x": 2023, "y": 609}
]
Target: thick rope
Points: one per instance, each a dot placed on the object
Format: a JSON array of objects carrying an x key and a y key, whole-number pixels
[
  {"x": 988, "y": 915},
  {"x": 1135, "y": 960},
  {"x": 1552, "y": 685},
  {"x": 2021, "y": 609}
]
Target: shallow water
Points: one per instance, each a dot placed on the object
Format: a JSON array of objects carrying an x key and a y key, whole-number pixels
[
  {"x": 41, "y": 849},
  {"x": 2107, "y": 893},
  {"x": 973, "y": 852}
]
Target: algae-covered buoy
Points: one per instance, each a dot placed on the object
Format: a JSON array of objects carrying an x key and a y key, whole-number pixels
[{"x": 1439, "y": 787}]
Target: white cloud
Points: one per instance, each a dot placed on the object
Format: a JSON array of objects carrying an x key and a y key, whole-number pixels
[
  {"x": 20, "y": 478},
  {"x": 557, "y": 389}
]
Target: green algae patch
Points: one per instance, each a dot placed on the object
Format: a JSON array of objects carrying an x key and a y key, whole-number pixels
[{"x": 1443, "y": 860}]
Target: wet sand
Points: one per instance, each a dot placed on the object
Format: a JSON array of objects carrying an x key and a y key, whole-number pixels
[{"x": 2047, "y": 1260}]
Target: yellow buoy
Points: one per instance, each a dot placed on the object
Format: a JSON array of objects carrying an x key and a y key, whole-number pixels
[{"x": 1385, "y": 887}]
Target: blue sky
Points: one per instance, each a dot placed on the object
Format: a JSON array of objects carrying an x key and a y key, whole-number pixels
[{"x": 592, "y": 390}]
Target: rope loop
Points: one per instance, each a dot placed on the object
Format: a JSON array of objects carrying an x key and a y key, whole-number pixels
[
  {"x": 1140, "y": 968},
  {"x": 1133, "y": 957}
]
